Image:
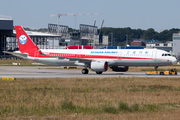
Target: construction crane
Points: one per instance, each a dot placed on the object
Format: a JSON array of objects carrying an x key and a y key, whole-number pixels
[
  {"x": 94, "y": 23},
  {"x": 94, "y": 35},
  {"x": 100, "y": 33},
  {"x": 73, "y": 14}
]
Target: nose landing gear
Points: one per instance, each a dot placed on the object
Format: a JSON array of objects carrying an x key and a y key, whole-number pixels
[
  {"x": 85, "y": 70},
  {"x": 156, "y": 67}
]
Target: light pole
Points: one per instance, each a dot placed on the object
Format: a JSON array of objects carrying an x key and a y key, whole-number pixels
[
  {"x": 111, "y": 39},
  {"x": 58, "y": 23},
  {"x": 126, "y": 40}
]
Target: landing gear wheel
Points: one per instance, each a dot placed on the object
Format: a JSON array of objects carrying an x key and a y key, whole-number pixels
[
  {"x": 84, "y": 71},
  {"x": 97, "y": 72}
]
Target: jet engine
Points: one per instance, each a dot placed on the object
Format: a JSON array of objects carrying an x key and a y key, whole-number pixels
[
  {"x": 99, "y": 66},
  {"x": 119, "y": 68}
]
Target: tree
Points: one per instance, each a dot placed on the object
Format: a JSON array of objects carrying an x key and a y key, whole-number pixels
[{"x": 150, "y": 34}]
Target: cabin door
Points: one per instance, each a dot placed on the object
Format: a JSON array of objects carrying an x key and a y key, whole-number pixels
[
  {"x": 154, "y": 55},
  {"x": 119, "y": 55}
]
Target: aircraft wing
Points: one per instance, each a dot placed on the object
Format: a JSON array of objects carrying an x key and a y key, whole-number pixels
[{"x": 69, "y": 58}]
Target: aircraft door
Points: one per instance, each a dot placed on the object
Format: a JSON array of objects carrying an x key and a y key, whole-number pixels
[
  {"x": 119, "y": 56},
  {"x": 154, "y": 55}
]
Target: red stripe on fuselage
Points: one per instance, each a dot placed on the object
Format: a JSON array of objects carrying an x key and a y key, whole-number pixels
[{"x": 86, "y": 56}]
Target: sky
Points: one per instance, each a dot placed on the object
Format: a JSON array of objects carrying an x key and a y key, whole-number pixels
[{"x": 136, "y": 14}]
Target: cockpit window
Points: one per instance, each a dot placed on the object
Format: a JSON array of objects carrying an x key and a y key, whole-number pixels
[{"x": 166, "y": 54}]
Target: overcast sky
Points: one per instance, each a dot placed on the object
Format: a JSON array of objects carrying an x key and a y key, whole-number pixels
[{"x": 143, "y": 14}]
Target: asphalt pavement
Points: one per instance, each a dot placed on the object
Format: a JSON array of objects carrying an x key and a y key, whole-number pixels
[{"x": 59, "y": 72}]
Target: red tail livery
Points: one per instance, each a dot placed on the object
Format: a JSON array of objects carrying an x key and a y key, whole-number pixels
[{"x": 25, "y": 43}]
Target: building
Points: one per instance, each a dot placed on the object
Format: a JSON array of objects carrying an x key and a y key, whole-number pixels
[
  {"x": 176, "y": 44},
  {"x": 137, "y": 42},
  {"x": 162, "y": 46},
  {"x": 168, "y": 46},
  {"x": 6, "y": 30}
]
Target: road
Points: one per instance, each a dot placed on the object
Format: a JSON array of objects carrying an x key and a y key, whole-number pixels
[{"x": 58, "y": 72}]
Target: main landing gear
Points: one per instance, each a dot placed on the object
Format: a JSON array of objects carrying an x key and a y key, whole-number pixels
[{"x": 85, "y": 71}]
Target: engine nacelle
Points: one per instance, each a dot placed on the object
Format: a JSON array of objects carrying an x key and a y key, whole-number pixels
[
  {"x": 119, "y": 68},
  {"x": 99, "y": 66}
]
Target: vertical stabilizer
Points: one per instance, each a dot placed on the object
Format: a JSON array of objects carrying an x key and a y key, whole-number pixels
[{"x": 25, "y": 43}]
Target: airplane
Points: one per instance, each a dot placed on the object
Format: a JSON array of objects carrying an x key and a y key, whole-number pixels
[{"x": 97, "y": 60}]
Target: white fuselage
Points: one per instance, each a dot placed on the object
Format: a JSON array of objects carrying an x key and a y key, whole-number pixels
[{"x": 114, "y": 57}]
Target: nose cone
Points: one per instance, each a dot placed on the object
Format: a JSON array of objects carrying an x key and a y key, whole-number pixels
[{"x": 174, "y": 60}]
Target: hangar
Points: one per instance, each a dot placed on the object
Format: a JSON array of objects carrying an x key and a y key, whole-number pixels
[{"x": 6, "y": 30}]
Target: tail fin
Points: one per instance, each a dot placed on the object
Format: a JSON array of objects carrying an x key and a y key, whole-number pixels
[{"x": 25, "y": 43}]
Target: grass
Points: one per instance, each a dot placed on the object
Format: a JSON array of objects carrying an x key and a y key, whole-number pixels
[
  {"x": 8, "y": 62},
  {"x": 90, "y": 98}
]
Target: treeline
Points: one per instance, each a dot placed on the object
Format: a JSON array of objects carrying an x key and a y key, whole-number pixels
[{"x": 120, "y": 34}]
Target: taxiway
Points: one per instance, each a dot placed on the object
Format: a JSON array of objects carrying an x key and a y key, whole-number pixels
[{"x": 58, "y": 72}]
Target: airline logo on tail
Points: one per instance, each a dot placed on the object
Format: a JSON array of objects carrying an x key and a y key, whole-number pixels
[{"x": 22, "y": 39}]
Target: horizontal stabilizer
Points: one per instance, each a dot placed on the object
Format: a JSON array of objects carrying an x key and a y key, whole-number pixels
[{"x": 18, "y": 54}]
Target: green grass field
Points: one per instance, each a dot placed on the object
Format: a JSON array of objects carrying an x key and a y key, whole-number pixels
[{"x": 90, "y": 98}]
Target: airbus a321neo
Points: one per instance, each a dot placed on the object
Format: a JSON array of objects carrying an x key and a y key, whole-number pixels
[{"x": 97, "y": 60}]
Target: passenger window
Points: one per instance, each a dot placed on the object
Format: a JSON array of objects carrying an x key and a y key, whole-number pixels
[
  {"x": 165, "y": 54},
  {"x": 162, "y": 54}
]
